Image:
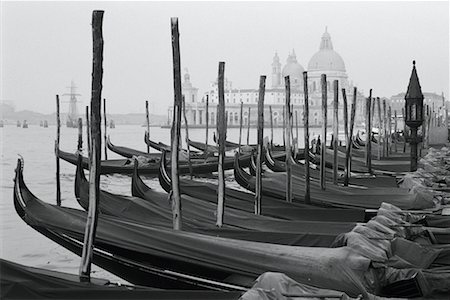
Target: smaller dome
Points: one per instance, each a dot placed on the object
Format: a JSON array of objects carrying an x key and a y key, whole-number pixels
[{"x": 293, "y": 69}]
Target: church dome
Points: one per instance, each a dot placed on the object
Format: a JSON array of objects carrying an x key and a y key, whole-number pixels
[
  {"x": 326, "y": 59},
  {"x": 293, "y": 69}
]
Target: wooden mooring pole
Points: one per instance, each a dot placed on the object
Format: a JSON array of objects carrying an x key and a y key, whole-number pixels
[
  {"x": 176, "y": 127},
  {"x": 395, "y": 130},
  {"x": 88, "y": 132},
  {"x": 389, "y": 129},
  {"x": 147, "y": 117},
  {"x": 186, "y": 127},
  {"x": 58, "y": 134},
  {"x": 369, "y": 133},
  {"x": 240, "y": 127},
  {"x": 259, "y": 157},
  {"x": 105, "y": 126},
  {"x": 404, "y": 129},
  {"x": 284, "y": 127},
  {"x": 271, "y": 126},
  {"x": 248, "y": 126},
  {"x": 221, "y": 139},
  {"x": 335, "y": 130},
  {"x": 80, "y": 136},
  {"x": 207, "y": 126},
  {"x": 348, "y": 150},
  {"x": 380, "y": 140},
  {"x": 288, "y": 140},
  {"x": 296, "y": 135},
  {"x": 385, "y": 137},
  {"x": 306, "y": 140},
  {"x": 323, "y": 145},
  {"x": 95, "y": 157}
]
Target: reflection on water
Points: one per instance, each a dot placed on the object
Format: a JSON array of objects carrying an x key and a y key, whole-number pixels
[{"x": 19, "y": 242}]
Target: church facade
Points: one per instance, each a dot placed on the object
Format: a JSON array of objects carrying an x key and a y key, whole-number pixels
[{"x": 325, "y": 61}]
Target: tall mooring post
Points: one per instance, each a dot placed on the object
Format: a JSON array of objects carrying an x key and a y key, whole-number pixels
[
  {"x": 95, "y": 157},
  {"x": 323, "y": 146},
  {"x": 259, "y": 157},
  {"x": 176, "y": 127}
]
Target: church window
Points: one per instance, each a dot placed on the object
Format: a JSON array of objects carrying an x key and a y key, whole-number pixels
[
  {"x": 314, "y": 86},
  {"x": 193, "y": 98},
  {"x": 194, "y": 116},
  {"x": 200, "y": 121}
]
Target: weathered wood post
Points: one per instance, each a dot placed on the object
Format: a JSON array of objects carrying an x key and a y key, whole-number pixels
[
  {"x": 368, "y": 134},
  {"x": 147, "y": 118},
  {"x": 58, "y": 134},
  {"x": 80, "y": 136},
  {"x": 105, "y": 125},
  {"x": 296, "y": 134},
  {"x": 288, "y": 140},
  {"x": 346, "y": 134},
  {"x": 88, "y": 132},
  {"x": 348, "y": 150},
  {"x": 372, "y": 121},
  {"x": 284, "y": 127},
  {"x": 248, "y": 126},
  {"x": 258, "y": 194},
  {"x": 389, "y": 129},
  {"x": 306, "y": 140},
  {"x": 176, "y": 127},
  {"x": 395, "y": 130},
  {"x": 271, "y": 126},
  {"x": 345, "y": 107},
  {"x": 335, "y": 130},
  {"x": 186, "y": 127},
  {"x": 207, "y": 126},
  {"x": 385, "y": 138},
  {"x": 240, "y": 127},
  {"x": 95, "y": 157},
  {"x": 323, "y": 146},
  {"x": 221, "y": 139},
  {"x": 380, "y": 124},
  {"x": 404, "y": 129}
]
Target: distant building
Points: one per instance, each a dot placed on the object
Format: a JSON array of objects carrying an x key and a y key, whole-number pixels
[{"x": 325, "y": 61}]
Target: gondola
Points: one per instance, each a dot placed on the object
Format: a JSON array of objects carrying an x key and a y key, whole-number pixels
[
  {"x": 244, "y": 201},
  {"x": 143, "y": 254},
  {"x": 125, "y": 166},
  {"x": 153, "y": 209},
  {"x": 129, "y": 152},
  {"x": 276, "y": 188},
  {"x": 210, "y": 148},
  {"x": 298, "y": 170},
  {"x": 24, "y": 282}
]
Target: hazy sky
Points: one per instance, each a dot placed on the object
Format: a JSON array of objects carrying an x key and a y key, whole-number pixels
[{"x": 45, "y": 45}]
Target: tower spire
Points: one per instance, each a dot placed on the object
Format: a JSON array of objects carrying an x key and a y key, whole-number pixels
[
  {"x": 325, "y": 43},
  {"x": 414, "y": 89}
]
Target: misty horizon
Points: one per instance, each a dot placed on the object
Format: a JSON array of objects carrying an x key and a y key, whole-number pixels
[{"x": 46, "y": 45}]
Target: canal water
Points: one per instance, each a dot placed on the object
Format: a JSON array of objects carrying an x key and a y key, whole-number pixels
[{"x": 22, "y": 244}]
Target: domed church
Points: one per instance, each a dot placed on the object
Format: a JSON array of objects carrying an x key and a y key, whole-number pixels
[{"x": 325, "y": 61}]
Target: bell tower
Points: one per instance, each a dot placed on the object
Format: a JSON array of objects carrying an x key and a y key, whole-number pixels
[{"x": 276, "y": 71}]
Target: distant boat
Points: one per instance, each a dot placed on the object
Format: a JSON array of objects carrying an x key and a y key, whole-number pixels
[
  {"x": 71, "y": 123},
  {"x": 45, "y": 124},
  {"x": 25, "y": 124},
  {"x": 18, "y": 124},
  {"x": 112, "y": 124},
  {"x": 1, "y": 123}
]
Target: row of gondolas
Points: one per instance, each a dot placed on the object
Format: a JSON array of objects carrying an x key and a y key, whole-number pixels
[{"x": 384, "y": 235}]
